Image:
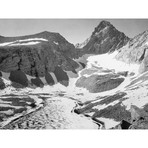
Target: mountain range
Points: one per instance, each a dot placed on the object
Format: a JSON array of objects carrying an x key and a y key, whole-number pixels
[{"x": 108, "y": 64}]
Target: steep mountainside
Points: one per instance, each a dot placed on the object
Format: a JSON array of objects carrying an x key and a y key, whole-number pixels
[
  {"x": 136, "y": 51},
  {"x": 105, "y": 38},
  {"x": 36, "y": 55},
  {"x": 51, "y": 38}
]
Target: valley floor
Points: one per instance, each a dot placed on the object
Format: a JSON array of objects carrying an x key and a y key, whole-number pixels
[
  {"x": 77, "y": 107},
  {"x": 56, "y": 113}
]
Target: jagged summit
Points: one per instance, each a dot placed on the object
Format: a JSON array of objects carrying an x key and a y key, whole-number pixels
[
  {"x": 103, "y": 24},
  {"x": 105, "y": 38},
  {"x": 136, "y": 51}
]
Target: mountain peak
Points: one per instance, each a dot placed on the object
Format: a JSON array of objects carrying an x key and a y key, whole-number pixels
[
  {"x": 104, "y": 39},
  {"x": 102, "y": 25},
  {"x": 105, "y": 23}
]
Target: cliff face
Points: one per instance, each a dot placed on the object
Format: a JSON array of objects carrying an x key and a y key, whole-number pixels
[
  {"x": 104, "y": 39},
  {"x": 136, "y": 51},
  {"x": 43, "y": 52},
  {"x": 36, "y": 54}
]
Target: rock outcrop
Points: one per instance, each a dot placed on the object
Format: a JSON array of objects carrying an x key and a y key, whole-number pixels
[
  {"x": 99, "y": 83},
  {"x": 139, "y": 119},
  {"x": 136, "y": 51},
  {"x": 36, "y": 60}
]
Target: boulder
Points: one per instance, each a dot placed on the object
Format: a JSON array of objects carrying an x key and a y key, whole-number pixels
[{"x": 99, "y": 83}]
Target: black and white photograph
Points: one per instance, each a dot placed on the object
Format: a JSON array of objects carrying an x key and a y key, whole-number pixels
[
  {"x": 51, "y": 79},
  {"x": 73, "y": 73}
]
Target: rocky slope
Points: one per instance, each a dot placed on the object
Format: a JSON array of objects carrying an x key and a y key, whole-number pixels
[
  {"x": 35, "y": 60},
  {"x": 105, "y": 38},
  {"x": 37, "y": 56},
  {"x": 139, "y": 119},
  {"x": 136, "y": 51}
]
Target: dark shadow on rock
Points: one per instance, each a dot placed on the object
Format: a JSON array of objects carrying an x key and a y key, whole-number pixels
[
  {"x": 74, "y": 71},
  {"x": 123, "y": 73},
  {"x": 83, "y": 65},
  {"x": 61, "y": 76},
  {"x": 19, "y": 77},
  {"x": 77, "y": 111},
  {"x": 125, "y": 125},
  {"x": 17, "y": 85},
  {"x": 49, "y": 79},
  {"x": 2, "y": 84},
  {"x": 37, "y": 81},
  {"x": 0, "y": 74},
  {"x": 33, "y": 105}
]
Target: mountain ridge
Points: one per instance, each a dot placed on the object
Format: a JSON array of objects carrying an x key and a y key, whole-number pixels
[{"x": 43, "y": 52}]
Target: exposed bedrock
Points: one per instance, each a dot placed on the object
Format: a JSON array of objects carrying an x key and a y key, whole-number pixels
[
  {"x": 99, "y": 83},
  {"x": 37, "y": 60},
  {"x": 139, "y": 119},
  {"x": 136, "y": 51},
  {"x": 144, "y": 65}
]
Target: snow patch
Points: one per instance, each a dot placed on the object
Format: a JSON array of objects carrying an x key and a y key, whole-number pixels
[
  {"x": 54, "y": 77},
  {"x": 8, "y": 105},
  {"x": 137, "y": 97},
  {"x": 56, "y": 43},
  {"x": 100, "y": 107},
  {"x": 30, "y": 77},
  {"x": 5, "y": 44},
  {"x": 8, "y": 112},
  {"x": 109, "y": 123},
  {"x": 28, "y": 43},
  {"x": 18, "y": 42},
  {"x": 32, "y": 39},
  {"x": 43, "y": 80},
  {"x": 70, "y": 120},
  {"x": 108, "y": 61}
]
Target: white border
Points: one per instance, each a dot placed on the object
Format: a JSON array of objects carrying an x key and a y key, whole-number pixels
[{"x": 73, "y": 9}]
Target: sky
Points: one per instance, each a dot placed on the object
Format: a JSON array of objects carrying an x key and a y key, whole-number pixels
[{"x": 74, "y": 30}]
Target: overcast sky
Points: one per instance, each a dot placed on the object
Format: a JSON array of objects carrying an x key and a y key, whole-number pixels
[{"x": 74, "y": 30}]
